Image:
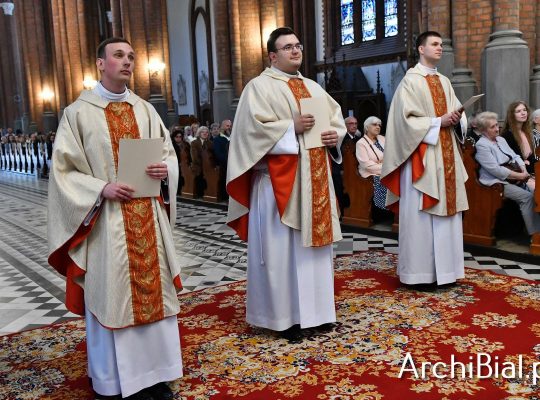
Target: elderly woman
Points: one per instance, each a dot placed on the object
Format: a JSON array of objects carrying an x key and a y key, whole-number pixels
[
  {"x": 535, "y": 120},
  {"x": 500, "y": 164},
  {"x": 517, "y": 132},
  {"x": 369, "y": 153}
]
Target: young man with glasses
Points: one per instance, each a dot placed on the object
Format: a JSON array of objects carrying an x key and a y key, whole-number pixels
[{"x": 282, "y": 199}]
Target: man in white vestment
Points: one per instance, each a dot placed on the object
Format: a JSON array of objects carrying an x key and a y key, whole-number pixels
[
  {"x": 116, "y": 250},
  {"x": 282, "y": 199},
  {"x": 423, "y": 170}
]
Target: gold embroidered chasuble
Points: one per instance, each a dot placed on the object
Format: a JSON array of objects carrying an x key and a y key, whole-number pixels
[
  {"x": 124, "y": 259},
  {"x": 417, "y": 100},
  {"x": 264, "y": 113}
]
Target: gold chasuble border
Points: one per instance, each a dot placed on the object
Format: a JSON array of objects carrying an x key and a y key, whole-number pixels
[
  {"x": 138, "y": 215},
  {"x": 321, "y": 212},
  {"x": 439, "y": 102}
]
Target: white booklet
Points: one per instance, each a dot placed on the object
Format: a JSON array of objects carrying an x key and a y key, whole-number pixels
[
  {"x": 134, "y": 155},
  {"x": 318, "y": 107},
  {"x": 470, "y": 102}
]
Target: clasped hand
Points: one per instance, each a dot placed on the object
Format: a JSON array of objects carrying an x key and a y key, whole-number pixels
[
  {"x": 305, "y": 122},
  {"x": 123, "y": 192},
  {"x": 450, "y": 119}
]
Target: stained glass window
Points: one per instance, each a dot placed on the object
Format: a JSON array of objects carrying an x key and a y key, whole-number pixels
[
  {"x": 368, "y": 20},
  {"x": 347, "y": 24},
  {"x": 390, "y": 18}
]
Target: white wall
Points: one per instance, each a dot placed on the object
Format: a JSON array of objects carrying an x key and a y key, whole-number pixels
[
  {"x": 390, "y": 76},
  {"x": 178, "y": 13}
]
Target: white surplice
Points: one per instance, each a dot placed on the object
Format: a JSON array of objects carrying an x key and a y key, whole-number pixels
[
  {"x": 130, "y": 359},
  {"x": 287, "y": 283},
  {"x": 430, "y": 246}
]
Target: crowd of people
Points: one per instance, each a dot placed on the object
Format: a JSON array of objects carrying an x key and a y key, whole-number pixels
[{"x": 26, "y": 153}]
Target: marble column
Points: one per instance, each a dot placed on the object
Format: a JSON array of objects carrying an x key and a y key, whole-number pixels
[
  {"x": 462, "y": 80},
  {"x": 535, "y": 78},
  {"x": 505, "y": 60}
]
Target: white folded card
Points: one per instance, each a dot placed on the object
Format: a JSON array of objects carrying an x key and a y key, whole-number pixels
[
  {"x": 134, "y": 155},
  {"x": 470, "y": 102},
  {"x": 318, "y": 107}
]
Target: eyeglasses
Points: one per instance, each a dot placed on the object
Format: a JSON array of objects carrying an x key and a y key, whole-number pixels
[{"x": 290, "y": 47}]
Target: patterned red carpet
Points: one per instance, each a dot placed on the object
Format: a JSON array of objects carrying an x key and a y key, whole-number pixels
[{"x": 379, "y": 326}]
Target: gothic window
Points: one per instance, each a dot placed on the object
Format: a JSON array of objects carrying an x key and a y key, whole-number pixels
[
  {"x": 390, "y": 18},
  {"x": 369, "y": 14},
  {"x": 347, "y": 22},
  {"x": 363, "y": 21}
]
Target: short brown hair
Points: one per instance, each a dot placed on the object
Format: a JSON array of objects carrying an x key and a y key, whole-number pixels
[
  {"x": 101, "y": 48},
  {"x": 421, "y": 40},
  {"x": 276, "y": 33}
]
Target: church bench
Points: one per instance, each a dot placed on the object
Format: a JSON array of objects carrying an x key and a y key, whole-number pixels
[
  {"x": 535, "y": 240},
  {"x": 484, "y": 202},
  {"x": 211, "y": 173},
  {"x": 359, "y": 190}
]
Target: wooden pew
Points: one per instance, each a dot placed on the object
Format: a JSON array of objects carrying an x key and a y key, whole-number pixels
[
  {"x": 535, "y": 240},
  {"x": 360, "y": 191},
  {"x": 484, "y": 202},
  {"x": 211, "y": 175},
  {"x": 188, "y": 189}
]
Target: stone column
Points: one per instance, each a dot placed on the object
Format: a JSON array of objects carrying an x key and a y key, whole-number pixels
[
  {"x": 223, "y": 93},
  {"x": 535, "y": 78},
  {"x": 505, "y": 60},
  {"x": 8, "y": 89},
  {"x": 462, "y": 80},
  {"x": 439, "y": 20},
  {"x": 154, "y": 44},
  {"x": 236, "y": 52}
]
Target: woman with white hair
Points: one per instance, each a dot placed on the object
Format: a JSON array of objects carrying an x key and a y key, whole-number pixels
[
  {"x": 369, "y": 153},
  {"x": 500, "y": 164},
  {"x": 535, "y": 121}
]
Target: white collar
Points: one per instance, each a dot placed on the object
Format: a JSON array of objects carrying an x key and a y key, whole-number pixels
[
  {"x": 427, "y": 70},
  {"x": 102, "y": 92},
  {"x": 284, "y": 73}
]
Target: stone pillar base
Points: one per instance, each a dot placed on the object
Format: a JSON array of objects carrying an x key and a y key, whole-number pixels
[
  {"x": 50, "y": 122},
  {"x": 222, "y": 97},
  {"x": 160, "y": 105},
  {"x": 535, "y": 88},
  {"x": 446, "y": 65},
  {"x": 172, "y": 118},
  {"x": 464, "y": 86},
  {"x": 234, "y": 106},
  {"x": 505, "y": 70},
  {"x": 32, "y": 127}
]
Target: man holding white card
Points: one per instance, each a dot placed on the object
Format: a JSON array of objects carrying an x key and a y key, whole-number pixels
[
  {"x": 282, "y": 198},
  {"x": 423, "y": 170},
  {"x": 115, "y": 247}
]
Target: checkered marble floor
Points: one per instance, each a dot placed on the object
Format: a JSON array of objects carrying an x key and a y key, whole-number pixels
[{"x": 32, "y": 293}]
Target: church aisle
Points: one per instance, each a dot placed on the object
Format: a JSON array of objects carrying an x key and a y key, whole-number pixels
[{"x": 32, "y": 293}]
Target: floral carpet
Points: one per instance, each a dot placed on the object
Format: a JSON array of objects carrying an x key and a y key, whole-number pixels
[{"x": 489, "y": 323}]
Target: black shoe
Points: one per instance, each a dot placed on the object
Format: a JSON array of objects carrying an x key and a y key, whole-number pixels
[
  {"x": 142, "y": 395},
  {"x": 293, "y": 334},
  {"x": 161, "y": 391},
  {"x": 448, "y": 285},
  {"x": 422, "y": 287},
  {"x": 98, "y": 396},
  {"x": 325, "y": 328}
]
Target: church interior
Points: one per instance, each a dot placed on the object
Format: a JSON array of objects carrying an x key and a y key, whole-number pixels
[{"x": 193, "y": 60}]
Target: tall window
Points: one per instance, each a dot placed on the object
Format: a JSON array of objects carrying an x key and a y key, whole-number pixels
[
  {"x": 390, "y": 18},
  {"x": 347, "y": 22},
  {"x": 368, "y": 20}
]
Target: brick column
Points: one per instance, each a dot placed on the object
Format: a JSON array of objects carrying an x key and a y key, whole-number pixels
[
  {"x": 8, "y": 106},
  {"x": 236, "y": 52},
  {"x": 21, "y": 88},
  {"x": 439, "y": 20},
  {"x": 535, "y": 78},
  {"x": 506, "y": 59},
  {"x": 462, "y": 81},
  {"x": 223, "y": 93}
]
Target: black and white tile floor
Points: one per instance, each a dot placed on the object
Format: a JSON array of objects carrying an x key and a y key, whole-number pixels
[{"x": 32, "y": 293}]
